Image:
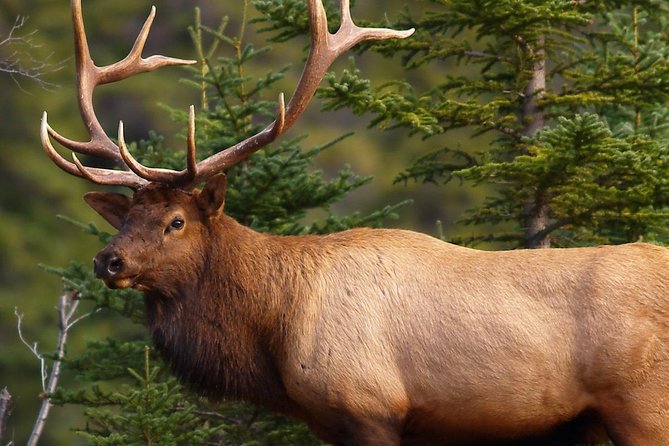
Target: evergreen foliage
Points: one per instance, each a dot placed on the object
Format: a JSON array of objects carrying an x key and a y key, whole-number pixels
[
  {"x": 570, "y": 95},
  {"x": 153, "y": 412},
  {"x": 127, "y": 395},
  {"x": 601, "y": 188}
]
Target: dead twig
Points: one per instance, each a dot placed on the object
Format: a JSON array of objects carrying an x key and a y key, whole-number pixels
[
  {"x": 5, "y": 411},
  {"x": 18, "y": 59},
  {"x": 66, "y": 309}
]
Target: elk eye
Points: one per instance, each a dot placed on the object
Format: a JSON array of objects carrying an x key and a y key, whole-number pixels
[{"x": 177, "y": 223}]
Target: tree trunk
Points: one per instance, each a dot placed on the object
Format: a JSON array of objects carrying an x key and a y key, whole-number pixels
[{"x": 535, "y": 209}]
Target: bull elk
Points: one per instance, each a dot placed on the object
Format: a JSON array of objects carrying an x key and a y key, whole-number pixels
[{"x": 376, "y": 337}]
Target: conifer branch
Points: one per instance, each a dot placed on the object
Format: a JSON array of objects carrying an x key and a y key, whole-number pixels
[
  {"x": 212, "y": 414},
  {"x": 482, "y": 54}
]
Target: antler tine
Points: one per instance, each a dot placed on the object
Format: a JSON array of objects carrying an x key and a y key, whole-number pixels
[
  {"x": 240, "y": 151},
  {"x": 109, "y": 177},
  {"x": 51, "y": 152},
  {"x": 163, "y": 175},
  {"x": 133, "y": 63},
  {"x": 98, "y": 176},
  {"x": 325, "y": 48},
  {"x": 191, "y": 161},
  {"x": 90, "y": 76}
]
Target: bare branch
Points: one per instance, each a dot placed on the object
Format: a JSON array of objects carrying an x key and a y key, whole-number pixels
[
  {"x": 32, "y": 347},
  {"x": 6, "y": 407},
  {"x": 66, "y": 309},
  {"x": 83, "y": 316},
  {"x": 18, "y": 59}
]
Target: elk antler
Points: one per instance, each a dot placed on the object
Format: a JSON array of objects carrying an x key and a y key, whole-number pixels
[
  {"x": 88, "y": 77},
  {"x": 325, "y": 48}
]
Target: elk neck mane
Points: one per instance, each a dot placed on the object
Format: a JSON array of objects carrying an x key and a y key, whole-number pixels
[{"x": 222, "y": 331}]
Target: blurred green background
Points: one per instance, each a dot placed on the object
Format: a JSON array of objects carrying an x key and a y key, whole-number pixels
[{"x": 33, "y": 192}]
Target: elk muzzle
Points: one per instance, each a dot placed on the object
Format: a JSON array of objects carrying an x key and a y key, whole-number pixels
[{"x": 111, "y": 267}]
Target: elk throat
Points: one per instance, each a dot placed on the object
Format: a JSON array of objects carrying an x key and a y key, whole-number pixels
[{"x": 215, "y": 353}]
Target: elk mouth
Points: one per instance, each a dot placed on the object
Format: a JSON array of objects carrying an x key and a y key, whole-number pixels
[
  {"x": 115, "y": 272},
  {"x": 117, "y": 283}
]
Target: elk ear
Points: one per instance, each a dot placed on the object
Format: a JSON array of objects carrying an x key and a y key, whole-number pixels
[
  {"x": 112, "y": 207},
  {"x": 212, "y": 196}
]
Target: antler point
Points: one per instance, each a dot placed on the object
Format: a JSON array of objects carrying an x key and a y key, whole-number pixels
[
  {"x": 121, "y": 136},
  {"x": 79, "y": 165}
]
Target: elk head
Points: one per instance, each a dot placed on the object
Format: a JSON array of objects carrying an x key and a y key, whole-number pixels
[
  {"x": 163, "y": 232},
  {"x": 167, "y": 212}
]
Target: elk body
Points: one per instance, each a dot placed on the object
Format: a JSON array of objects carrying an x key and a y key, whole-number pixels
[
  {"x": 378, "y": 337},
  {"x": 388, "y": 337}
]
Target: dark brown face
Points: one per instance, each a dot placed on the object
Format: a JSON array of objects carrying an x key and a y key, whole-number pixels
[{"x": 162, "y": 234}]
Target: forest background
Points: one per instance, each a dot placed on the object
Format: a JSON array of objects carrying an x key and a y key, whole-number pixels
[{"x": 599, "y": 184}]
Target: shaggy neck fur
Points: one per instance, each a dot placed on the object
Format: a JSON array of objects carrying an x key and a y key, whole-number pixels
[{"x": 222, "y": 331}]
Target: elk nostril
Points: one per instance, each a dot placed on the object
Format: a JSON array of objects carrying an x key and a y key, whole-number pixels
[{"x": 115, "y": 265}]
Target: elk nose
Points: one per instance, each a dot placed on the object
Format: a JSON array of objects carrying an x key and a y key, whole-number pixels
[{"x": 107, "y": 265}]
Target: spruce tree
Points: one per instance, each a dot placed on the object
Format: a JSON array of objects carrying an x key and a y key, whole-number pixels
[
  {"x": 565, "y": 101},
  {"x": 127, "y": 393}
]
